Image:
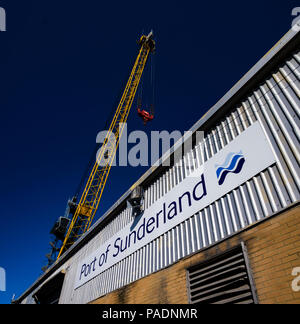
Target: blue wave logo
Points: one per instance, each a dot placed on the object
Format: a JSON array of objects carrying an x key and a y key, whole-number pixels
[{"x": 233, "y": 164}]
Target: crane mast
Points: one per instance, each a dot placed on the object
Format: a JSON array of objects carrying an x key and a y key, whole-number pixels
[{"x": 92, "y": 193}]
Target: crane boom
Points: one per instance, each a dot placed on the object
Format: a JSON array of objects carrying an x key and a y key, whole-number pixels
[{"x": 92, "y": 193}]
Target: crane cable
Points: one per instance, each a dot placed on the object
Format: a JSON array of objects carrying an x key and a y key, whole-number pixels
[
  {"x": 152, "y": 82},
  {"x": 151, "y": 96}
]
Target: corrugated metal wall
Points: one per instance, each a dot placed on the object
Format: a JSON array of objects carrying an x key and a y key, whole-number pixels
[{"x": 275, "y": 104}]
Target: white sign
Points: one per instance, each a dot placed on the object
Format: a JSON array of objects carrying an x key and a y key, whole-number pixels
[{"x": 244, "y": 157}]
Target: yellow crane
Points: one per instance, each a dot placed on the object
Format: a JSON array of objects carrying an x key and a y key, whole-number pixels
[{"x": 92, "y": 193}]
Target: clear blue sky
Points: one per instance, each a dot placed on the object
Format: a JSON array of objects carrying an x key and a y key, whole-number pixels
[{"x": 63, "y": 65}]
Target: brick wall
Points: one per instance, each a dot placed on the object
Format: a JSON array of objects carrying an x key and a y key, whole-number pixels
[{"x": 273, "y": 250}]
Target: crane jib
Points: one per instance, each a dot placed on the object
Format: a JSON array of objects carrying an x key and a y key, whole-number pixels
[{"x": 92, "y": 193}]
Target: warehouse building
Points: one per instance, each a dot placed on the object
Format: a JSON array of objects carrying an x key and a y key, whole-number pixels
[{"x": 221, "y": 225}]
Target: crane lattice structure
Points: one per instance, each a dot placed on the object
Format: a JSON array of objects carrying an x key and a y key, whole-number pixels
[{"x": 92, "y": 193}]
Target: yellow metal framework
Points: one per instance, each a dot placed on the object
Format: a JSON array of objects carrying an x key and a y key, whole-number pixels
[{"x": 92, "y": 193}]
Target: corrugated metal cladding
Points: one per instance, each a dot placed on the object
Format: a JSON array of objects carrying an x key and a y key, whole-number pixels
[{"x": 275, "y": 104}]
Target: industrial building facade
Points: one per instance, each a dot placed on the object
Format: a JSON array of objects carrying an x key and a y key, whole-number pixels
[{"x": 221, "y": 225}]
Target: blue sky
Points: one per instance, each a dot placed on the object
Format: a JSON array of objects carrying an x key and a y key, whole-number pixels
[{"x": 63, "y": 66}]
